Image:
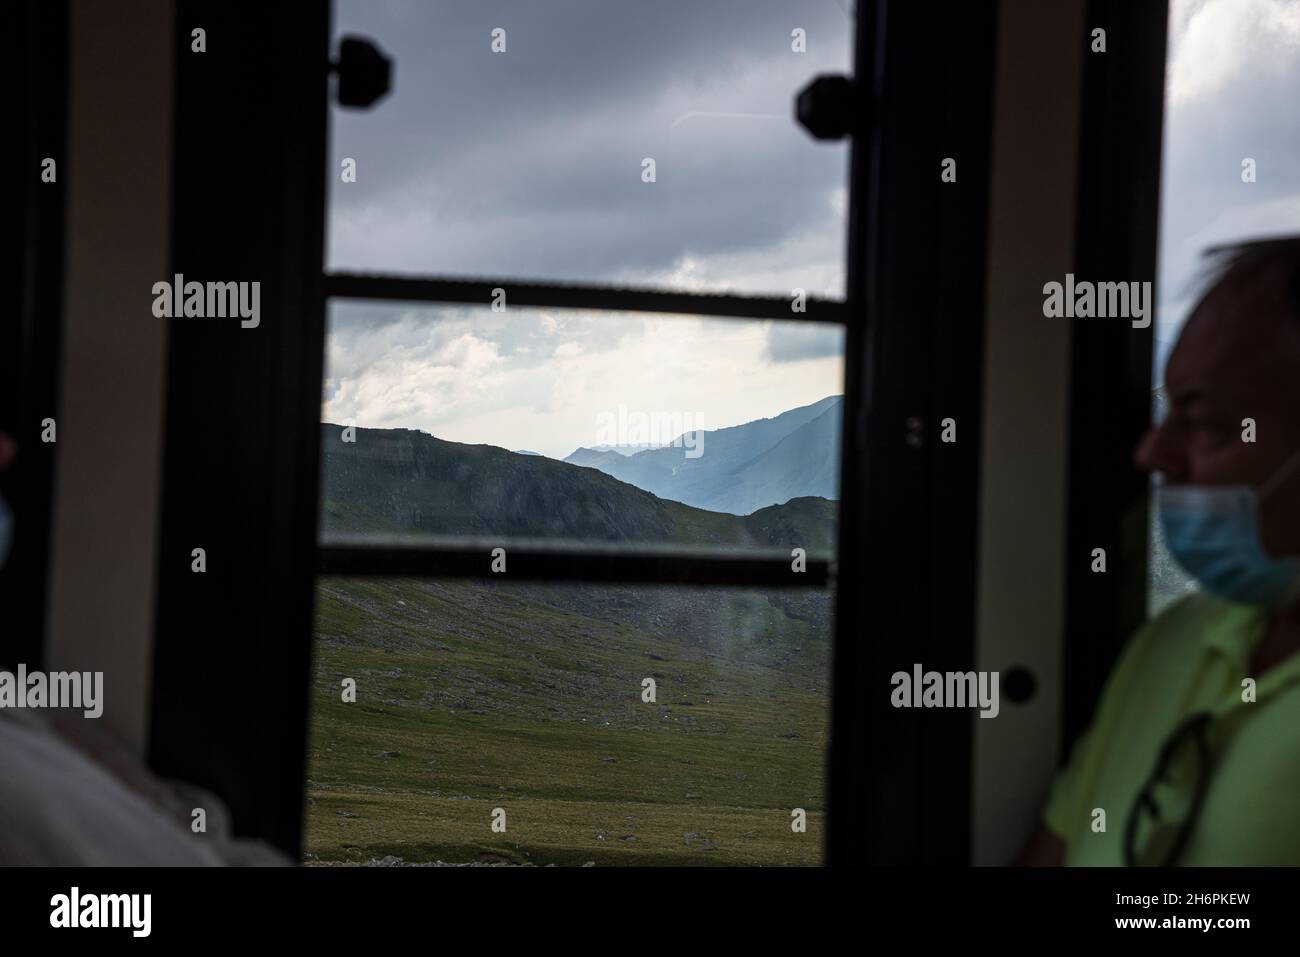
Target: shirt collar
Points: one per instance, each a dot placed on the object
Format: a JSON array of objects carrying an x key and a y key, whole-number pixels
[{"x": 1236, "y": 634}]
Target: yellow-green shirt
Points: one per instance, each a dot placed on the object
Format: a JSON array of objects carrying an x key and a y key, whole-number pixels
[{"x": 1191, "y": 657}]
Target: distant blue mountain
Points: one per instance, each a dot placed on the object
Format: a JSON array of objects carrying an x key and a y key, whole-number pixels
[{"x": 743, "y": 468}]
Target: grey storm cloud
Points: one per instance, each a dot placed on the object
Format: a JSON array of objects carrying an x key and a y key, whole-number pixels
[
  {"x": 791, "y": 342},
  {"x": 527, "y": 164}
]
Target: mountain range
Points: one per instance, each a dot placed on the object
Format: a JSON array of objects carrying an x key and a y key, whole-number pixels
[
  {"x": 404, "y": 481},
  {"x": 742, "y": 468}
]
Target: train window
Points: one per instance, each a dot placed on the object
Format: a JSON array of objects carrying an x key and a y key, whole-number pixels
[
  {"x": 1226, "y": 173},
  {"x": 575, "y": 540}
]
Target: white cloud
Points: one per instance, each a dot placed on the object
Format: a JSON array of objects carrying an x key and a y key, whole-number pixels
[
  {"x": 431, "y": 369},
  {"x": 1214, "y": 42}
]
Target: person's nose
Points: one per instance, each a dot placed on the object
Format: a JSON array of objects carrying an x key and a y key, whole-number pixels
[{"x": 1159, "y": 451}]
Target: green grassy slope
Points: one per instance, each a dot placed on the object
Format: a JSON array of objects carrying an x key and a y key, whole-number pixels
[
  {"x": 485, "y": 694},
  {"x": 475, "y": 696}
]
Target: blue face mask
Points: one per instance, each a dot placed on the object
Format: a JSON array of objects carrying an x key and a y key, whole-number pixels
[{"x": 1213, "y": 533}]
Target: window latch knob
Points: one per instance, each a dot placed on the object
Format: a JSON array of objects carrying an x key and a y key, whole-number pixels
[
  {"x": 830, "y": 107},
  {"x": 365, "y": 74}
]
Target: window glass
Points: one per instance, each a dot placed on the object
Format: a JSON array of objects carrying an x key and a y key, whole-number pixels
[
  {"x": 498, "y": 721},
  {"x": 530, "y": 163},
  {"x": 580, "y": 425},
  {"x": 1228, "y": 171}
]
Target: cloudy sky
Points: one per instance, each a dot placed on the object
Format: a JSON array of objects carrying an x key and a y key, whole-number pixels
[
  {"x": 528, "y": 164},
  {"x": 1233, "y": 76}
]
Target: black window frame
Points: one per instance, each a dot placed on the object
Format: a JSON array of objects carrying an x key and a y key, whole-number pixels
[
  {"x": 1115, "y": 235},
  {"x": 592, "y": 562},
  {"x": 233, "y": 647},
  {"x": 917, "y": 295},
  {"x": 258, "y": 522},
  {"x": 30, "y": 341}
]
